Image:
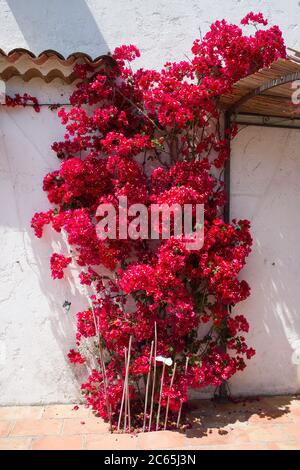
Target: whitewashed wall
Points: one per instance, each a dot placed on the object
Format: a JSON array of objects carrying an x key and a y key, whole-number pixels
[
  {"x": 162, "y": 29},
  {"x": 266, "y": 189},
  {"x": 35, "y": 331}
]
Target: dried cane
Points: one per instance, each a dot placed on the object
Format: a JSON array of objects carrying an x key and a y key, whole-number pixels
[
  {"x": 168, "y": 401},
  {"x": 147, "y": 386},
  {"x": 160, "y": 394},
  {"x": 154, "y": 374},
  {"x": 179, "y": 413}
]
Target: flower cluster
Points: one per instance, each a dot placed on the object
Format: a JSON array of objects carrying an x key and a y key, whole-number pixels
[
  {"x": 254, "y": 18},
  {"x": 75, "y": 357},
  {"x": 155, "y": 137},
  {"x": 22, "y": 100},
  {"x": 58, "y": 263}
]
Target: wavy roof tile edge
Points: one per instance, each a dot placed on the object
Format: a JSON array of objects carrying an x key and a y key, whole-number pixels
[
  {"x": 52, "y": 53},
  {"x": 35, "y": 70}
]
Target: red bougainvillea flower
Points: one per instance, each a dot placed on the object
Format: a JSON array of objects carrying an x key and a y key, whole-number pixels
[
  {"x": 75, "y": 358},
  {"x": 58, "y": 263},
  {"x": 23, "y": 100},
  {"x": 155, "y": 137},
  {"x": 254, "y": 18}
]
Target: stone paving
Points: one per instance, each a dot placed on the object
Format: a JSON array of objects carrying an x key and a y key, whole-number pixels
[{"x": 267, "y": 423}]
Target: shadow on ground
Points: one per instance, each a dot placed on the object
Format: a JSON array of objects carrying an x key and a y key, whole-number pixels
[{"x": 207, "y": 416}]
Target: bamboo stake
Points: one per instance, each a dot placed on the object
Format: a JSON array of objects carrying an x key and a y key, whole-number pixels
[
  {"x": 168, "y": 402},
  {"x": 125, "y": 394},
  {"x": 129, "y": 352},
  {"x": 147, "y": 386},
  {"x": 179, "y": 413},
  {"x": 105, "y": 390},
  {"x": 123, "y": 397},
  {"x": 160, "y": 393},
  {"x": 127, "y": 400},
  {"x": 154, "y": 374},
  {"x": 102, "y": 365}
]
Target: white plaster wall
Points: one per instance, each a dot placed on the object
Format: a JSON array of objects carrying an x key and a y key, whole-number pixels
[
  {"x": 35, "y": 332},
  {"x": 266, "y": 189},
  {"x": 162, "y": 29}
]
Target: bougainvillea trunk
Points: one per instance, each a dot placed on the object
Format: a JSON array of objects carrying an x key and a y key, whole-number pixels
[{"x": 155, "y": 137}]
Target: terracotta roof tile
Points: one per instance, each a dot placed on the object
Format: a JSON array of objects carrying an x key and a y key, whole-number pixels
[{"x": 47, "y": 65}]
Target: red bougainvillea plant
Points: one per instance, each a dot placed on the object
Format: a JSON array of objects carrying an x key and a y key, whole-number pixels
[{"x": 155, "y": 137}]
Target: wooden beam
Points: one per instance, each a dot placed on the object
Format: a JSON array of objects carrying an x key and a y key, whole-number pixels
[{"x": 290, "y": 77}]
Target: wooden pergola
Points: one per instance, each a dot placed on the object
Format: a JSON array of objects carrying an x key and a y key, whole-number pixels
[{"x": 264, "y": 98}]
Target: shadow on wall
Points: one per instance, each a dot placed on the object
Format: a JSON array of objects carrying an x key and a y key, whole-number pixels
[
  {"x": 67, "y": 26},
  {"x": 37, "y": 329},
  {"x": 266, "y": 189},
  {"x": 64, "y": 300}
]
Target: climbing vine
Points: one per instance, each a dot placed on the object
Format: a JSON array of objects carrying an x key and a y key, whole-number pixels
[
  {"x": 22, "y": 100},
  {"x": 157, "y": 315}
]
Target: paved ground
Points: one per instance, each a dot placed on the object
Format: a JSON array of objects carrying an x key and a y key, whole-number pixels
[{"x": 268, "y": 423}]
